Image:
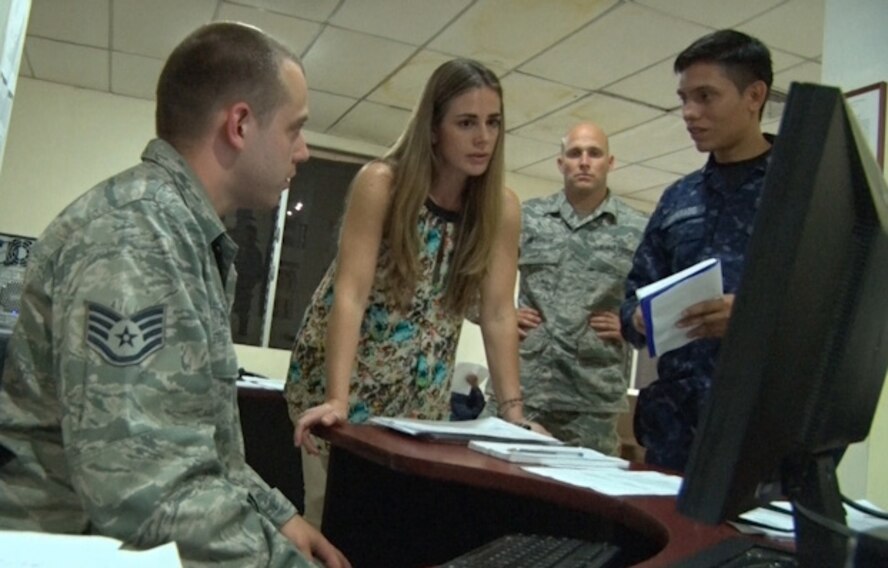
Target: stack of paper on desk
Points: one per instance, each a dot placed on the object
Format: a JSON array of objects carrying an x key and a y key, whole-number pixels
[
  {"x": 663, "y": 301},
  {"x": 551, "y": 456},
  {"x": 490, "y": 429},
  {"x": 612, "y": 481}
]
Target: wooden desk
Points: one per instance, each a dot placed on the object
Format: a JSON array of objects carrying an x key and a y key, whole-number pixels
[{"x": 393, "y": 501}]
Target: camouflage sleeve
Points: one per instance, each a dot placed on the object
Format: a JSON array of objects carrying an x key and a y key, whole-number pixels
[
  {"x": 649, "y": 264},
  {"x": 149, "y": 415}
]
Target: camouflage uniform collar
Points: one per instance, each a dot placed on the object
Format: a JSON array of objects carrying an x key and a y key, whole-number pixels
[
  {"x": 190, "y": 187},
  {"x": 561, "y": 206}
]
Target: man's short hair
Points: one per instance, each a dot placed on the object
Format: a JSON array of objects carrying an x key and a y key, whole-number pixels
[
  {"x": 744, "y": 58},
  {"x": 217, "y": 65}
]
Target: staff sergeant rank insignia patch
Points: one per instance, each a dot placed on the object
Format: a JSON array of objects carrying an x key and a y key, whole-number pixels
[{"x": 122, "y": 340}]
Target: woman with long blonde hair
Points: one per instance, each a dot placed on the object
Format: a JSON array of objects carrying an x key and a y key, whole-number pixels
[{"x": 428, "y": 231}]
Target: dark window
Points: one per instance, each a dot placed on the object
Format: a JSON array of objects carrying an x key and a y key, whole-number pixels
[{"x": 310, "y": 235}]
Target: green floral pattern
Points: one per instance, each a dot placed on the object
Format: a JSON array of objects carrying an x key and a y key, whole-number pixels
[{"x": 405, "y": 354}]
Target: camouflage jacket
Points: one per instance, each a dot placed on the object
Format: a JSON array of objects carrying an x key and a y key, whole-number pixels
[
  {"x": 570, "y": 268},
  {"x": 119, "y": 398}
]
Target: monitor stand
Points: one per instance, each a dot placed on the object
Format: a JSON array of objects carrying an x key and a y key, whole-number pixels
[{"x": 811, "y": 482}]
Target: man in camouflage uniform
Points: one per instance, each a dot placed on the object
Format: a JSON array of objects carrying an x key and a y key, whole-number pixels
[
  {"x": 576, "y": 249},
  {"x": 118, "y": 403},
  {"x": 724, "y": 79}
]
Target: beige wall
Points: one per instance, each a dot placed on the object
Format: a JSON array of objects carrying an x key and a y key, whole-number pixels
[{"x": 854, "y": 48}]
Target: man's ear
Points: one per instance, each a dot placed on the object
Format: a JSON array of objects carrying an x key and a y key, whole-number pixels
[
  {"x": 238, "y": 121},
  {"x": 758, "y": 95}
]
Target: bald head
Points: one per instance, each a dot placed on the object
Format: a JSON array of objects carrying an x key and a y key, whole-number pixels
[
  {"x": 585, "y": 161},
  {"x": 584, "y": 129}
]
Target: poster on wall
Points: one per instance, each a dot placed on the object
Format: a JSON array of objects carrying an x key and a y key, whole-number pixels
[{"x": 868, "y": 105}]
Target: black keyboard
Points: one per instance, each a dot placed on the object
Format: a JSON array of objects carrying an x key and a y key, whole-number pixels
[{"x": 535, "y": 551}]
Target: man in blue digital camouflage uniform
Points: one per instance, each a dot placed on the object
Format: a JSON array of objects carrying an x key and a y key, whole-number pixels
[
  {"x": 118, "y": 403},
  {"x": 576, "y": 249},
  {"x": 724, "y": 79}
]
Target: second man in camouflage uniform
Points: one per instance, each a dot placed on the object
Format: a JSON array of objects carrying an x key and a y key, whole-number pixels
[{"x": 576, "y": 249}]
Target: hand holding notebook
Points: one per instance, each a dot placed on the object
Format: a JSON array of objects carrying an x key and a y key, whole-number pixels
[{"x": 663, "y": 302}]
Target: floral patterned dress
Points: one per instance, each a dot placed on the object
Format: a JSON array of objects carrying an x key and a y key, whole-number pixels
[{"x": 405, "y": 356}]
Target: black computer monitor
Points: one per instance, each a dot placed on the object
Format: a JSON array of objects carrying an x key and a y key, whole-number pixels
[{"x": 805, "y": 355}]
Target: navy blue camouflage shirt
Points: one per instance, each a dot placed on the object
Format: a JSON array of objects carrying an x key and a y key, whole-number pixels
[{"x": 703, "y": 215}]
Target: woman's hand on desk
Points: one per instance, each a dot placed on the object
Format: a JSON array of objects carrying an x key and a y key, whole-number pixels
[
  {"x": 538, "y": 428},
  {"x": 312, "y": 544},
  {"x": 330, "y": 413}
]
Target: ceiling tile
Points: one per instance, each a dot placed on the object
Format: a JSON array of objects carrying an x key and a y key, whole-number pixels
[
  {"x": 717, "y": 14},
  {"x": 67, "y": 63},
  {"x": 650, "y": 34},
  {"x": 806, "y": 37},
  {"x": 372, "y": 122},
  {"x": 528, "y": 98},
  {"x": 404, "y": 20},
  {"x": 807, "y": 72},
  {"x": 655, "y": 138},
  {"x": 324, "y": 109},
  {"x": 544, "y": 170},
  {"x": 682, "y": 162},
  {"x": 331, "y": 64},
  {"x": 611, "y": 114},
  {"x": 781, "y": 60},
  {"x": 654, "y": 86},
  {"x": 84, "y": 22},
  {"x": 506, "y": 33},
  {"x": 315, "y": 10},
  {"x": 134, "y": 75},
  {"x": 528, "y": 187},
  {"x": 294, "y": 33},
  {"x": 404, "y": 88},
  {"x": 521, "y": 152},
  {"x": 154, "y": 28},
  {"x": 635, "y": 178},
  {"x": 649, "y": 195}
]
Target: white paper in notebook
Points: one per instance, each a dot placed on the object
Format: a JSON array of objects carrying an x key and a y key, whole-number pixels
[{"x": 663, "y": 302}]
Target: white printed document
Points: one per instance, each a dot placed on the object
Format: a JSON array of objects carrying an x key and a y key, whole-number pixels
[
  {"x": 47, "y": 550},
  {"x": 490, "y": 429},
  {"x": 612, "y": 481},
  {"x": 779, "y": 524},
  {"x": 663, "y": 302},
  {"x": 550, "y": 456}
]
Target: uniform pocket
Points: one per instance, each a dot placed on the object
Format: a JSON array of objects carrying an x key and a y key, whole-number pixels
[{"x": 685, "y": 232}]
